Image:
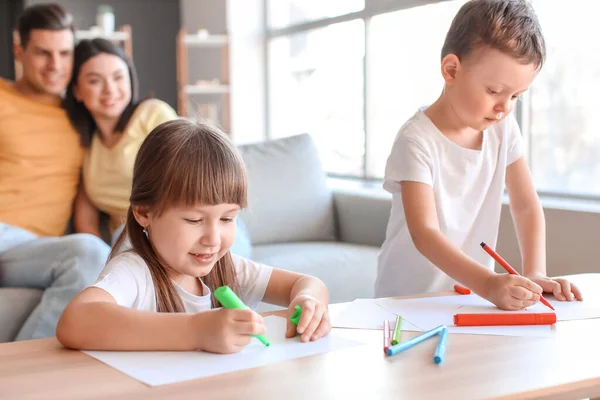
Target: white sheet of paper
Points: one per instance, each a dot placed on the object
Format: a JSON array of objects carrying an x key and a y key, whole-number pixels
[
  {"x": 431, "y": 312},
  {"x": 163, "y": 367},
  {"x": 367, "y": 314},
  {"x": 570, "y": 310}
]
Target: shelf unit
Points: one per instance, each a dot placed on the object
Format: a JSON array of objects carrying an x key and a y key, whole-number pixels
[
  {"x": 121, "y": 35},
  {"x": 185, "y": 89}
]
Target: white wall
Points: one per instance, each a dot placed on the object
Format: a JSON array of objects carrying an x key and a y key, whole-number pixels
[
  {"x": 571, "y": 241},
  {"x": 247, "y": 58},
  {"x": 242, "y": 20}
]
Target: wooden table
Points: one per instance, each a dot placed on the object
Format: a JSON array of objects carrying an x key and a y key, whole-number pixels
[{"x": 563, "y": 367}]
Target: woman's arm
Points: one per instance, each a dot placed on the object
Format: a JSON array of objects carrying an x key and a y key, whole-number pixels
[{"x": 85, "y": 215}]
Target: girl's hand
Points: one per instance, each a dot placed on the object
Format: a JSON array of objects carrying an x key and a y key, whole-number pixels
[
  {"x": 226, "y": 330},
  {"x": 562, "y": 289},
  {"x": 314, "y": 321},
  {"x": 511, "y": 292}
]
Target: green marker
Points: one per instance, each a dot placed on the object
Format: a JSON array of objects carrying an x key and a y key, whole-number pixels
[
  {"x": 397, "y": 331},
  {"x": 295, "y": 318},
  {"x": 229, "y": 299}
]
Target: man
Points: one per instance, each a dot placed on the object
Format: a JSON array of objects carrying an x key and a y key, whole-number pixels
[{"x": 40, "y": 161}]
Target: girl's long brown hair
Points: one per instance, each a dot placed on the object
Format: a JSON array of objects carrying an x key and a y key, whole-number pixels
[{"x": 183, "y": 163}]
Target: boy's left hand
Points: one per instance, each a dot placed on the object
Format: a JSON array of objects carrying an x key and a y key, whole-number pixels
[
  {"x": 562, "y": 289},
  {"x": 314, "y": 321}
]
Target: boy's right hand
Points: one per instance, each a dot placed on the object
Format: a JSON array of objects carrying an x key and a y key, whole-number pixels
[
  {"x": 511, "y": 292},
  {"x": 226, "y": 330}
]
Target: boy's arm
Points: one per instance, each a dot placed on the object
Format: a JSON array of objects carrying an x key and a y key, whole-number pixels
[
  {"x": 509, "y": 292},
  {"x": 530, "y": 225},
  {"x": 421, "y": 218},
  {"x": 528, "y": 216}
]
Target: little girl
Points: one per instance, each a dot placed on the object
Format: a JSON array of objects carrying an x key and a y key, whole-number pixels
[{"x": 189, "y": 184}]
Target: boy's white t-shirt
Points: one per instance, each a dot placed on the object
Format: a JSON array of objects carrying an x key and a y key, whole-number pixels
[
  {"x": 468, "y": 186},
  {"x": 127, "y": 278}
]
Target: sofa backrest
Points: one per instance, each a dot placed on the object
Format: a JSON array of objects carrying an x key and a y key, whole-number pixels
[{"x": 288, "y": 196}]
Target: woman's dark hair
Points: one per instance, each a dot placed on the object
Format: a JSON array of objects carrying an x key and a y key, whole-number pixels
[{"x": 80, "y": 117}]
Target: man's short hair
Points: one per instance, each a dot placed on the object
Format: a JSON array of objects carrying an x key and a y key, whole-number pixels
[{"x": 43, "y": 16}]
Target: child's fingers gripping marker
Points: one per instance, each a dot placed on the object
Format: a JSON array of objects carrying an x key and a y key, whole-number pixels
[
  {"x": 229, "y": 299},
  {"x": 295, "y": 317}
]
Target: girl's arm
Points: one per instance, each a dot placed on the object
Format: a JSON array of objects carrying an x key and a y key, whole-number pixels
[
  {"x": 85, "y": 218},
  {"x": 284, "y": 286},
  {"x": 287, "y": 288},
  {"x": 94, "y": 321},
  {"x": 506, "y": 291},
  {"x": 528, "y": 216}
]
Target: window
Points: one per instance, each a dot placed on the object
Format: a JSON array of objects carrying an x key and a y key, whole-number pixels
[
  {"x": 404, "y": 72},
  {"x": 316, "y": 86},
  {"x": 563, "y": 102},
  {"x": 284, "y": 13},
  {"x": 351, "y": 72}
]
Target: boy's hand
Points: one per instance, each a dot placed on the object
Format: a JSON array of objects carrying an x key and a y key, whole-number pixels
[
  {"x": 511, "y": 292},
  {"x": 226, "y": 330},
  {"x": 562, "y": 289},
  {"x": 314, "y": 321}
]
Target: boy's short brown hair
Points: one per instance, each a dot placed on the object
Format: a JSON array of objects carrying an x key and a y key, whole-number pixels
[
  {"x": 510, "y": 26},
  {"x": 50, "y": 17}
]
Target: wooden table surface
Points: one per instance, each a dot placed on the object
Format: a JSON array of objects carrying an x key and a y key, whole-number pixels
[{"x": 565, "y": 366}]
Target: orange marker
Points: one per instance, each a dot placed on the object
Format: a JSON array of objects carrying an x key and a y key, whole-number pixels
[
  {"x": 509, "y": 269},
  {"x": 461, "y": 289},
  {"x": 504, "y": 319}
]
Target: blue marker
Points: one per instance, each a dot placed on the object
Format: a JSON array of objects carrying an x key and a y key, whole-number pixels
[
  {"x": 397, "y": 348},
  {"x": 438, "y": 356}
]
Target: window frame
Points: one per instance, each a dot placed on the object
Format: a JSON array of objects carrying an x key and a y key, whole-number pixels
[{"x": 374, "y": 8}]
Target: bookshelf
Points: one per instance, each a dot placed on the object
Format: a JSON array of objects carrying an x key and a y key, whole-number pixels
[{"x": 185, "y": 90}]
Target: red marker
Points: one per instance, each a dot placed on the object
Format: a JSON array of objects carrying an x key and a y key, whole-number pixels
[
  {"x": 504, "y": 319},
  {"x": 509, "y": 269},
  {"x": 461, "y": 289}
]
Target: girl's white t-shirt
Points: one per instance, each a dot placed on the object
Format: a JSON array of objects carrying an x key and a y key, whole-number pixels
[
  {"x": 128, "y": 280},
  {"x": 468, "y": 186}
]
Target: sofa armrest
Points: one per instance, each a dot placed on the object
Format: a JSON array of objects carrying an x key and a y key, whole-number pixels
[{"x": 362, "y": 215}]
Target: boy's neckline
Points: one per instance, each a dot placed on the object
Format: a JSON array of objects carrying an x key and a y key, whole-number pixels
[{"x": 481, "y": 134}]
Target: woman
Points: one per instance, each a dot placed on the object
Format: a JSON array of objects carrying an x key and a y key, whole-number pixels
[{"x": 102, "y": 104}]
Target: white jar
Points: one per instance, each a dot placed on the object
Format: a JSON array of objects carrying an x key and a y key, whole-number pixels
[{"x": 105, "y": 19}]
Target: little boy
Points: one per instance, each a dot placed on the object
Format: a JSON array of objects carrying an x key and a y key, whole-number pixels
[{"x": 450, "y": 162}]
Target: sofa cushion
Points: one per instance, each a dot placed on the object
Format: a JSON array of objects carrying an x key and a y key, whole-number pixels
[
  {"x": 15, "y": 306},
  {"x": 289, "y": 199},
  {"x": 347, "y": 270}
]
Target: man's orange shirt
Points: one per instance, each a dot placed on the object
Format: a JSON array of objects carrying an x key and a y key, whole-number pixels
[{"x": 40, "y": 162}]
